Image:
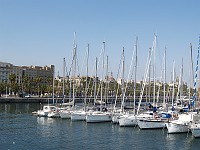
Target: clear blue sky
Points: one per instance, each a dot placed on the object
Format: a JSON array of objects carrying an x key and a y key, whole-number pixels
[{"x": 40, "y": 32}]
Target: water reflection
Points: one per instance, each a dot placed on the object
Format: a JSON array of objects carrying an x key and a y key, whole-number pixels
[
  {"x": 45, "y": 121},
  {"x": 172, "y": 139},
  {"x": 45, "y": 126},
  {"x": 18, "y": 125},
  {"x": 18, "y": 108}
]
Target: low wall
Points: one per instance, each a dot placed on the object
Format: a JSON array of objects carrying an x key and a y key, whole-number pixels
[
  {"x": 28, "y": 100},
  {"x": 38, "y": 100}
]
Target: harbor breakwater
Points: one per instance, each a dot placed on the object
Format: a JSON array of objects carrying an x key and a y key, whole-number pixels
[
  {"x": 36, "y": 100},
  {"x": 25, "y": 100},
  {"x": 110, "y": 100},
  {"x": 46, "y": 100},
  {"x": 57, "y": 100}
]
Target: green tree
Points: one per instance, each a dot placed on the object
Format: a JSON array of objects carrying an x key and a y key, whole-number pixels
[
  {"x": 26, "y": 84},
  {"x": 49, "y": 82},
  {"x": 2, "y": 88},
  {"x": 37, "y": 80},
  {"x": 12, "y": 79}
]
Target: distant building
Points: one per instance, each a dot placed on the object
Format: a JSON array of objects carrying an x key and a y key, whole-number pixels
[
  {"x": 5, "y": 69},
  {"x": 44, "y": 72},
  {"x": 32, "y": 72},
  {"x": 18, "y": 71}
]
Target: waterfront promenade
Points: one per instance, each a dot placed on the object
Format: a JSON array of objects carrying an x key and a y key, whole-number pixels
[
  {"x": 44, "y": 100},
  {"x": 26, "y": 100},
  {"x": 58, "y": 100},
  {"x": 49, "y": 100}
]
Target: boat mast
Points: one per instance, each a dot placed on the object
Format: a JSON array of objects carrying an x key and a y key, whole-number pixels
[
  {"x": 118, "y": 86},
  {"x": 135, "y": 73},
  {"x": 192, "y": 64},
  {"x": 144, "y": 81},
  {"x": 149, "y": 85},
  {"x": 64, "y": 63},
  {"x": 71, "y": 68},
  {"x": 173, "y": 84},
  {"x": 154, "y": 73},
  {"x": 53, "y": 83},
  {"x": 86, "y": 85},
  {"x": 102, "y": 76},
  {"x": 74, "y": 74},
  {"x": 178, "y": 95},
  {"x": 70, "y": 85},
  {"x": 195, "y": 79},
  {"x": 74, "y": 68},
  {"x": 107, "y": 83},
  {"x": 181, "y": 90},
  {"x": 191, "y": 73},
  {"x": 123, "y": 92},
  {"x": 164, "y": 87},
  {"x": 95, "y": 82}
]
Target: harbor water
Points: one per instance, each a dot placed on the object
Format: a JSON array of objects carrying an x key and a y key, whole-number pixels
[{"x": 20, "y": 130}]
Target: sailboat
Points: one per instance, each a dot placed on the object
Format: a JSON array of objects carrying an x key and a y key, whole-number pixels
[
  {"x": 195, "y": 126},
  {"x": 54, "y": 110},
  {"x": 154, "y": 122},
  {"x": 65, "y": 107},
  {"x": 179, "y": 125},
  {"x": 80, "y": 115},
  {"x": 182, "y": 124},
  {"x": 54, "y": 113},
  {"x": 130, "y": 119},
  {"x": 68, "y": 108},
  {"x": 117, "y": 112},
  {"x": 101, "y": 115},
  {"x": 141, "y": 116},
  {"x": 48, "y": 110}
]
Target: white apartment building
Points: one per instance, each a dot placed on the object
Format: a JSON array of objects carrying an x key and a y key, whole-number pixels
[
  {"x": 5, "y": 69},
  {"x": 31, "y": 72}
]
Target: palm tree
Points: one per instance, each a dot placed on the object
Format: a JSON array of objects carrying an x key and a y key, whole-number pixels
[
  {"x": 49, "y": 81},
  {"x": 37, "y": 80},
  {"x": 12, "y": 79},
  {"x": 26, "y": 84},
  {"x": 3, "y": 86},
  {"x": 43, "y": 88}
]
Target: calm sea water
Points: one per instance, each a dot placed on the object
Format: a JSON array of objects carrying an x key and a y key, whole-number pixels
[{"x": 20, "y": 130}]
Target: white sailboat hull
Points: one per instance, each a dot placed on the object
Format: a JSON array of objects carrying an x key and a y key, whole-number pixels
[
  {"x": 42, "y": 113},
  {"x": 195, "y": 129},
  {"x": 115, "y": 118},
  {"x": 46, "y": 110},
  {"x": 98, "y": 117},
  {"x": 129, "y": 120},
  {"x": 176, "y": 128},
  {"x": 78, "y": 116},
  {"x": 65, "y": 114},
  {"x": 151, "y": 124},
  {"x": 181, "y": 125}
]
